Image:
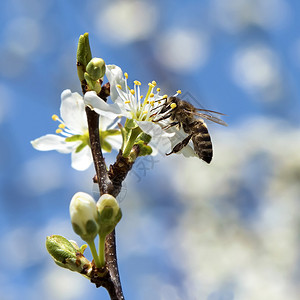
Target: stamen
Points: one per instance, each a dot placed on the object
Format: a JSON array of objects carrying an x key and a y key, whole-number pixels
[
  {"x": 126, "y": 75},
  {"x": 58, "y": 131},
  {"x": 151, "y": 95},
  {"x": 126, "y": 102},
  {"x": 132, "y": 92},
  {"x": 142, "y": 96},
  {"x": 119, "y": 86},
  {"x": 152, "y": 103},
  {"x": 136, "y": 82},
  {"x": 173, "y": 105},
  {"x": 154, "y": 83},
  {"x": 164, "y": 96},
  {"x": 145, "y": 112},
  {"x": 55, "y": 117},
  {"x": 158, "y": 90},
  {"x": 62, "y": 126},
  {"x": 178, "y": 92}
]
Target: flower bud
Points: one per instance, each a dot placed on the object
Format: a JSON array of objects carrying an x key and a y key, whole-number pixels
[
  {"x": 84, "y": 216},
  {"x": 96, "y": 68},
  {"x": 110, "y": 214},
  {"x": 65, "y": 255}
]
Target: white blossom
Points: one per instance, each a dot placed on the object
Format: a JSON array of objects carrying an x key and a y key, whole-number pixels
[{"x": 72, "y": 135}]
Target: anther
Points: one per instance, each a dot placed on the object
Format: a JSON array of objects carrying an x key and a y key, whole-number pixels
[
  {"x": 136, "y": 82},
  {"x": 173, "y": 105},
  {"x": 154, "y": 83},
  {"x": 55, "y": 117},
  {"x": 62, "y": 126},
  {"x": 119, "y": 86},
  {"x": 126, "y": 75},
  {"x": 132, "y": 92},
  {"x": 178, "y": 92},
  {"x": 151, "y": 95},
  {"x": 158, "y": 89},
  {"x": 58, "y": 131},
  {"x": 126, "y": 102}
]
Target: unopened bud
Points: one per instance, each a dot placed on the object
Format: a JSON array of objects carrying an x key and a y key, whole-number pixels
[
  {"x": 110, "y": 214},
  {"x": 65, "y": 255},
  {"x": 84, "y": 216},
  {"x": 96, "y": 68}
]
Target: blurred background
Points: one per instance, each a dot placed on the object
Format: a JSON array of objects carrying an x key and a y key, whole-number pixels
[{"x": 228, "y": 230}]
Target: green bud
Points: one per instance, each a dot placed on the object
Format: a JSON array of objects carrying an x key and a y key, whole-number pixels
[
  {"x": 110, "y": 214},
  {"x": 144, "y": 148},
  {"x": 66, "y": 256},
  {"x": 84, "y": 216},
  {"x": 84, "y": 55},
  {"x": 94, "y": 85},
  {"x": 96, "y": 68},
  {"x": 146, "y": 138}
]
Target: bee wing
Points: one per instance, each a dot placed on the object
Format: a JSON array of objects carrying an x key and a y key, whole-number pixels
[
  {"x": 212, "y": 111},
  {"x": 208, "y": 117}
]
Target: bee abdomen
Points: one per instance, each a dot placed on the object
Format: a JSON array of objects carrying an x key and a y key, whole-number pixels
[{"x": 202, "y": 142}]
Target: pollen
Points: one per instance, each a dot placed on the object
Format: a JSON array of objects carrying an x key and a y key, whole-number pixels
[
  {"x": 154, "y": 83},
  {"x": 119, "y": 86},
  {"x": 178, "y": 92},
  {"x": 136, "y": 82},
  {"x": 58, "y": 130},
  {"x": 151, "y": 95},
  {"x": 55, "y": 117},
  {"x": 132, "y": 92},
  {"x": 173, "y": 105},
  {"x": 126, "y": 75},
  {"x": 62, "y": 126}
]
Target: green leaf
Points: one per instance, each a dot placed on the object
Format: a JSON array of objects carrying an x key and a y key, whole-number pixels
[{"x": 144, "y": 148}]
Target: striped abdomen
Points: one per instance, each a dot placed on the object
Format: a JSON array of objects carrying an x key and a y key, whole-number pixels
[{"x": 202, "y": 141}]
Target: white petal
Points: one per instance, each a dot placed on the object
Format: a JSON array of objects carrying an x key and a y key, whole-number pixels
[
  {"x": 52, "y": 142},
  {"x": 83, "y": 159},
  {"x": 114, "y": 75},
  {"x": 105, "y": 123},
  {"x": 115, "y": 141},
  {"x": 101, "y": 107},
  {"x": 72, "y": 111}
]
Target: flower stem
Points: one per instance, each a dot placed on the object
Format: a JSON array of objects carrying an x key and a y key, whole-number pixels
[
  {"x": 94, "y": 253},
  {"x": 102, "y": 251},
  {"x": 134, "y": 134}
]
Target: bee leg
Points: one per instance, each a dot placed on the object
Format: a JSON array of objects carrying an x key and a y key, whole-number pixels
[
  {"x": 162, "y": 118},
  {"x": 180, "y": 145},
  {"x": 170, "y": 125}
]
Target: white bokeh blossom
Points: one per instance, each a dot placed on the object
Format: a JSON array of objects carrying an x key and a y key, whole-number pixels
[{"x": 72, "y": 135}]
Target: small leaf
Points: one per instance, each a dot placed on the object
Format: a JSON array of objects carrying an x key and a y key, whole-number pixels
[{"x": 80, "y": 147}]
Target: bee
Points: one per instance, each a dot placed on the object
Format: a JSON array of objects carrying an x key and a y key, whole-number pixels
[{"x": 183, "y": 114}]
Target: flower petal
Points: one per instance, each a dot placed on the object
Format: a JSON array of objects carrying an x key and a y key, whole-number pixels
[
  {"x": 52, "y": 142},
  {"x": 114, "y": 75},
  {"x": 101, "y": 107},
  {"x": 82, "y": 159},
  {"x": 72, "y": 111}
]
